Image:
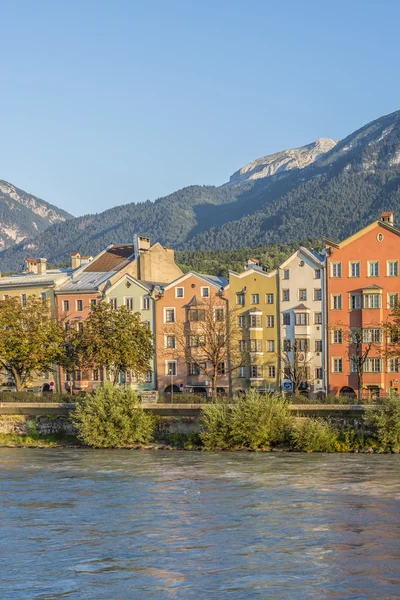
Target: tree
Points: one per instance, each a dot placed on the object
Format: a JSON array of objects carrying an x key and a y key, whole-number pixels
[
  {"x": 30, "y": 340},
  {"x": 116, "y": 340},
  {"x": 296, "y": 365},
  {"x": 208, "y": 339}
]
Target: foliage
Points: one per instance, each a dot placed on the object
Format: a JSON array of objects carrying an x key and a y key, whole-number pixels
[
  {"x": 30, "y": 340},
  {"x": 33, "y": 440},
  {"x": 33, "y": 398},
  {"x": 254, "y": 421},
  {"x": 187, "y": 441},
  {"x": 116, "y": 340},
  {"x": 112, "y": 417},
  {"x": 385, "y": 422},
  {"x": 181, "y": 398},
  {"x": 314, "y": 435}
]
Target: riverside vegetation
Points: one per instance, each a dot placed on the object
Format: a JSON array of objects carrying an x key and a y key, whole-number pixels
[{"x": 112, "y": 417}]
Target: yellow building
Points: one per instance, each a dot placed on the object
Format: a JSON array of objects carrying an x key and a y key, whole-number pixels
[{"x": 254, "y": 297}]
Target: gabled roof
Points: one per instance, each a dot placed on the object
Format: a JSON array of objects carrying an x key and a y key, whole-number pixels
[
  {"x": 362, "y": 232},
  {"x": 373, "y": 286},
  {"x": 300, "y": 307},
  {"x": 315, "y": 256},
  {"x": 217, "y": 282},
  {"x": 195, "y": 301},
  {"x": 114, "y": 258},
  {"x": 253, "y": 270},
  {"x": 143, "y": 284}
]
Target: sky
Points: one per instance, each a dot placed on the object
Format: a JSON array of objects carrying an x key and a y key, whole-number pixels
[{"x": 109, "y": 102}]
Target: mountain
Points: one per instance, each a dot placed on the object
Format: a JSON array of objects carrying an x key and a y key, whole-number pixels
[
  {"x": 303, "y": 194},
  {"x": 23, "y": 215},
  {"x": 281, "y": 162}
]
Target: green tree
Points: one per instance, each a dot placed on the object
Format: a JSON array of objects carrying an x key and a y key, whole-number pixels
[
  {"x": 116, "y": 340},
  {"x": 385, "y": 421},
  {"x": 30, "y": 339},
  {"x": 112, "y": 417}
]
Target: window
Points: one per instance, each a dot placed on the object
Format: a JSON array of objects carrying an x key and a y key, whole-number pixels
[
  {"x": 170, "y": 367},
  {"x": 5, "y": 296},
  {"x": 66, "y": 305},
  {"x": 43, "y": 296},
  {"x": 95, "y": 375},
  {"x": 287, "y": 346},
  {"x": 219, "y": 314},
  {"x": 317, "y": 274},
  {"x": 196, "y": 314},
  {"x": 269, "y": 298},
  {"x": 373, "y": 365},
  {"x": 301, "y": 318},
  {"x": 303, "y": 295},
  {"x": 240, "y": 298},
  {"x": 337, "y": 336},
  {"x": 113, "y": 302},
  {"x": 318, "y": 318},
  {"x": 255, "y": 345},
  {"x": 129, "y": 303},
  {"x": 319, "y": 373},
  {"x": 355, "y": 301},
  {"x": 353, "y": 365},
  {"x": 371, "y": 300},
  {"x": 393, "y": 300},
  {"x": 318, "y": 294},
  {"x": 179, "y": 292},
  {"x": 79, "y": 326},
  {"x": 255, "y": 321},
  {"x": 392, "y": 268},
  {"x": 221, "y": 368},
  {"x": 285, "y": 295},
  {"x": 318, "y": 345},
  {"x": 23, "y": 299},
  {"x": 270, "y": 345},
  {"x": 336, "y": 269},
  {"x": 270, "y": 321},
  {"x": 336, "y": 301},
  {"x": 373, "y": 268},
  {"x": 93, "y": 302},
  {"x": 255, "y": 298},
  {"x": 286, "y": 318},
  {"x": 193, "y": 369},
  {"x": 242, "y": 372},
  {"x": 286, "y": 274},
  {"x": 169, "y": 315},
  {"x": 302, "y": 345},
  {"x": 242, "y": 321},
  {"x": 205, "y": 292},
  {"x": 337, "y": 365},
  {"x": 255, "y": 371},
  {"x": 79, "y": 305},
  {"x": 271, "y": 372},
  {"x": 147, "y": 323},
  {"x": 394, "y": 365},
  {"x": 197, "y": 341},
  {"x": 78, "y": 375},
  {"x": 242, "y": 346},
  {"x": 354, "y": 269},
  {"x": 146, "y": 302},
  {"x": 149, "y": 377},
  {"x": 373, "y": 336},
  {"x": 170, "y": 341}
]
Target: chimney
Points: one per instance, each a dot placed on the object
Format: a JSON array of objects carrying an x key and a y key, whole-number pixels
[
  {"x": 41, "y": 266},
  {"x": 75, "y": 260},
  {"x": 387, "y": 217},
  {"x": 31, "y": 265}
]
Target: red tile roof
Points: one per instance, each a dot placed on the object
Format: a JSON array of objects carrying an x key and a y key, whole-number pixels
[{"x": 113, "y": 259}]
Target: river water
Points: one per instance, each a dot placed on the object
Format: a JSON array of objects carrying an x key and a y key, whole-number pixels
[{"x": 82, "y": 524}]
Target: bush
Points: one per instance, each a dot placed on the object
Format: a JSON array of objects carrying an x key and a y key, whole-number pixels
[
  {"x": 32, "y": 397},
  {"x": 385, "y": 423},
  {"x": 182, "y": 398},
  {"x": 314, "y": 435},
  {"x": 112, "y": 417},
  {"x": 255, "y": 421}
]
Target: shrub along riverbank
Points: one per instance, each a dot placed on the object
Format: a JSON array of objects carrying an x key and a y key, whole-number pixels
[{"x": 112, "y": 417}]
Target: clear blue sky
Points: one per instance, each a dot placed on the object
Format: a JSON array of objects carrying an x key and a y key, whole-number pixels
[{"x": 108, "y": 102}]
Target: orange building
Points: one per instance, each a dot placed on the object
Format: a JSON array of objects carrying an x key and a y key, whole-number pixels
[
  {"x": 363, "y": 285},
  {"x": 178, "y": 312}
]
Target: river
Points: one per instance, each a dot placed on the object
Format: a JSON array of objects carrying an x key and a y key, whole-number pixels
[{"x": 116, "y": 525}]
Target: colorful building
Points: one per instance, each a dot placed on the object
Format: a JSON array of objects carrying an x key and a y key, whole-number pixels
[
  {"x": 363, "y": 285},
  {"x": 180, "y": 310},
  {"x": 254, "y": 297},
  {"x": 302, "y": 322}
]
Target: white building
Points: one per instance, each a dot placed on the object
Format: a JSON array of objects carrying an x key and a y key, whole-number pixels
[{"x": 302, "y": 319}]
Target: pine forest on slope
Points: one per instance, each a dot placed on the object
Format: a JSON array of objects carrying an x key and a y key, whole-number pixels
[{"x": 342, "y": 187}]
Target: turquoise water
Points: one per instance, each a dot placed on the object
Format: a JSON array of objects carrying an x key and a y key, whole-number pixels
[{"x": 81, "y": 524}]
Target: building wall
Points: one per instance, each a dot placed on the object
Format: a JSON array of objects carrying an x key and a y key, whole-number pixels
[
  {"x": 191, "y": 285},
  {"x": 362, "y": 247},
  {"x": 124, "y": 289},
  {"x": 252, "y": 282},
  {"x": 301, "y": 269}
]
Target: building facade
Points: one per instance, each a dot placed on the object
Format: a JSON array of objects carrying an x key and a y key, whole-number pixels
[
  {"x": 302, "y": 322},
  {"x": 254, "y": 298},
  {"x": 363, "y": 286}
]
